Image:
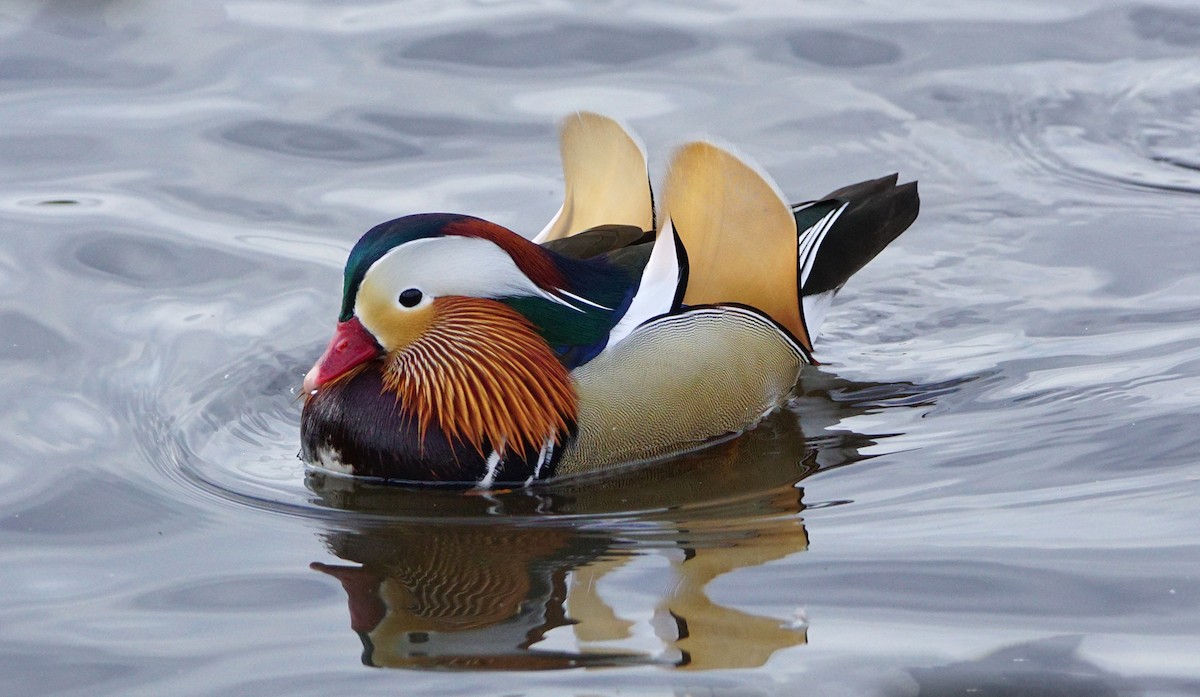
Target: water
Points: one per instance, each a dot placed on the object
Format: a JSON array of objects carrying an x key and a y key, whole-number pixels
[{"x": 988, "y": 487}]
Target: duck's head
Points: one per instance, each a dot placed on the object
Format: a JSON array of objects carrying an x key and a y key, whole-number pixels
[{"x": 472, "y": 327}]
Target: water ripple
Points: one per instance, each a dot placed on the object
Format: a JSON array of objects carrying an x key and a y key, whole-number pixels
[
  {"x": 1127, "y": 124},
  {"x": 234, "y": 438},
  {"x": 1175, "y": 26},
  {"x": 319, "y": 142},
  {"x": 561, "y": 46},
  {"x": 842, "y": 50}
]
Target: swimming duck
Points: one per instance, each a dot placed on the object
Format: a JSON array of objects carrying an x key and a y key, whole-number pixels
[{"x": 465, "y": 353}]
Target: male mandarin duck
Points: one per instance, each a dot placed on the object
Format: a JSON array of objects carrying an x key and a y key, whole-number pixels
[{"x": 465, "y": 353}]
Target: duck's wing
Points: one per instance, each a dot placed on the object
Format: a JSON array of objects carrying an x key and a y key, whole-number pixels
[
  {"x": 729, "y": 237},
  {"x": 606, "y": 177},
  {"x": 717, "y": 332},
  {"x": 738, "y": 232},
  {"x": 623, "y": 246},
  {"x": 599, "y": 240}
]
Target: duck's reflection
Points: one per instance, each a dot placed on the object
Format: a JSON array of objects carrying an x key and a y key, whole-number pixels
[
  {"x": 468, "y": 596},
  {"x": 600, "y": 572}
]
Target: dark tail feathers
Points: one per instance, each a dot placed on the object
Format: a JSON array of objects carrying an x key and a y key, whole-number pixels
[{"x": 873, "y": 213}]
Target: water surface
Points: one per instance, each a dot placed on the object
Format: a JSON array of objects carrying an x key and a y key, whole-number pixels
[{"x": 989, "y": 486}]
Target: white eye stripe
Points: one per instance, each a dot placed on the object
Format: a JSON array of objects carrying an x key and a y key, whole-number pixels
[{"x": 441, "y": 266}]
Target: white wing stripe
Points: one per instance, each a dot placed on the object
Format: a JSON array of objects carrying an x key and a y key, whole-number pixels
[
  {"x": 582, "y": 300},
  {"x": 807, "y": 244},
  {"x": 811, "y": 245}
]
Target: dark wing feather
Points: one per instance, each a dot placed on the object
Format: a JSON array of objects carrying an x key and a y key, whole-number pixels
[
  {"x": 623, "y": 246},
  {"x": 598, "y": 240},
  {"x": 877, "y": 211}
]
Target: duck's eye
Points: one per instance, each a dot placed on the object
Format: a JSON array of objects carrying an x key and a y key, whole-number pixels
[{"x": 411, "y": 297}]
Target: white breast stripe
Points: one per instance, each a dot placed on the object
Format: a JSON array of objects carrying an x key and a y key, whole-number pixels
[
  {"x": 543, "y": 457},
  {"x": 656, "y": 292},
  {"x": 493, "y": 463}
]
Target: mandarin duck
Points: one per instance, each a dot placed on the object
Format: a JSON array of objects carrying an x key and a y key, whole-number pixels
[{"x": 467, "y": 354}]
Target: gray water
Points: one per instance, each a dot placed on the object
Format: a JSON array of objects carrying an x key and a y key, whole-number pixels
[{"x": 989, "y": 486}]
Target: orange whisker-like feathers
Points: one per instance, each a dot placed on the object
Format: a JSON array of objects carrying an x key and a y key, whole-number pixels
[{"x": 482, "y": 374}]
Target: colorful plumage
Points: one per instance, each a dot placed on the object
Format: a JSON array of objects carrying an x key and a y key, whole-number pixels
[{"x": 467, "y": 354}]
